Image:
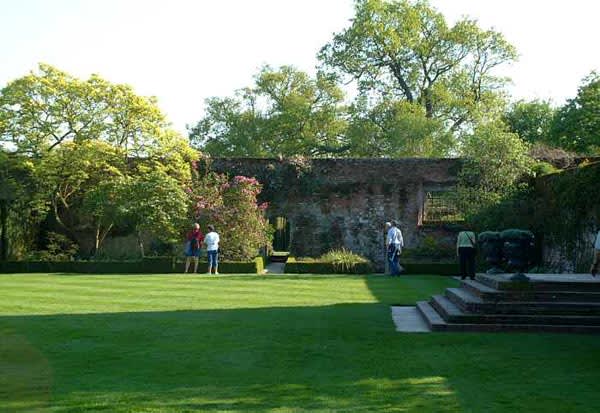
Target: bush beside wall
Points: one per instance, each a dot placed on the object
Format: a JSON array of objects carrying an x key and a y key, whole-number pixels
[
  {"x": 312, "y": 267},
  {"x": 150, "y": 265},
  {"x": 315, "y": 267}
]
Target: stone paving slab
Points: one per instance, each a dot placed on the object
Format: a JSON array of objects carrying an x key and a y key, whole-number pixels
[
  {"x": 556, "y": 278},
  {"x": 275, "y": 268},
  {"x": 408, "y": 320}
]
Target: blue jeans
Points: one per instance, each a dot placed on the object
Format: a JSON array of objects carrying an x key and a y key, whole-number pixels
[
  {"x": 213, "y": 259},
  {"x": 393, "y": 259}
]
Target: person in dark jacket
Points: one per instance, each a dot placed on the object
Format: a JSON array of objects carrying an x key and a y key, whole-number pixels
[{"x": 193, "y": 242}]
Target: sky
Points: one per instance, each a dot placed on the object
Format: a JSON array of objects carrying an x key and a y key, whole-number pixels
[{"x": 184, "y": 51}]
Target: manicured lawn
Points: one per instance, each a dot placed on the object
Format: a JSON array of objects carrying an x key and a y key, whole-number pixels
[{"x": 275, "y": 344}]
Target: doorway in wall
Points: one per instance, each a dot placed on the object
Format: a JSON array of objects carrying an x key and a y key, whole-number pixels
[{"x": 281, "y": 239}]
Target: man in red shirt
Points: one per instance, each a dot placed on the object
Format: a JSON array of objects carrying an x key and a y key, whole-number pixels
[{"x": 192, "y": 247}]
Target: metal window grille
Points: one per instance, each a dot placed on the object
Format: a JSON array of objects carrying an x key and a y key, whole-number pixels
[{"x": 441, "y": 207}]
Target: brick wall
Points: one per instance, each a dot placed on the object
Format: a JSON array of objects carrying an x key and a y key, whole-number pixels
[{"x": 332, "y": 203}]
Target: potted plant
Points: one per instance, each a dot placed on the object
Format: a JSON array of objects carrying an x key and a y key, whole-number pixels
[
  {"x": 491, "y": 248},
  {"x": 517, "y": 249}
]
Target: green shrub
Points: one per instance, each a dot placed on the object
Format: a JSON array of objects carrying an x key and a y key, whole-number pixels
[
  {"x": 488, "y": 236},
  {"x": 317, "y": 267},
  {"x": 343, "y": 260},
  {"x": 58, "y": 248},
  {"x": 260, "y": 265},
  {"x": 544, "y": 168},
  {"x": 149, "y": 265}
]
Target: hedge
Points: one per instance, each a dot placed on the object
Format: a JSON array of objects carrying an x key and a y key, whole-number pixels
[
  {"x": 435, "y": 268},
  {"x": 150, "y": 265},
  {"x": 312, "y": 267},
  {"x": 315, "y": 267}
]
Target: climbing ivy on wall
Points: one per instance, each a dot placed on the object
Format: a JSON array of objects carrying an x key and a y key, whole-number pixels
[
  {"x": 560, "y": 208},
  {"x": 568, "y": 205}
]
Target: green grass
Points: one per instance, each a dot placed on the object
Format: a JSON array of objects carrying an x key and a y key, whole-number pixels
[{"x": 264, "y": 344}]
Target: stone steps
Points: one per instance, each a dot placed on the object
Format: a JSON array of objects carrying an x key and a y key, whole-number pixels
[
  {"x": 491, "y": 294},
  {"x": 437, "y": 323},
  {"x": 494, "y": 303},
  {"x": 470, "y": 302},
  {"x": 543, "y": 282},
  {"x": 453, "y": 314}
]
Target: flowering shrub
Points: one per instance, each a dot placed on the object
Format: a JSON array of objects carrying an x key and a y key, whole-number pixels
[{"x": 231, "y": 206}]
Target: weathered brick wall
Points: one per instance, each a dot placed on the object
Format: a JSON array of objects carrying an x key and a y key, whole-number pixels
[{"x": 332, "y": 203}]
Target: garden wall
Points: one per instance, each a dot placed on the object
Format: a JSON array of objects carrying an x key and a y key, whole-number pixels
[
  {"x": 332, "y": 203},
  {"x": 567, "y": 213}
]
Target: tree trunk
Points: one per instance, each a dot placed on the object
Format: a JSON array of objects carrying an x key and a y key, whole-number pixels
[
  {"x": 4, "y": 230},
  {"x": 140, "y": 243},
  {"x": 96, "y": 241}
]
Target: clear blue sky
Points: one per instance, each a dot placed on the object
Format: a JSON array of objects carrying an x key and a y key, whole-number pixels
[{"x": 183, "y": 51}]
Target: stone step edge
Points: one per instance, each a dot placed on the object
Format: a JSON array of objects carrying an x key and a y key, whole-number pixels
[
  {"x": 465, "y": 299},
  {"x": 451, "y": 313},
  {"x": 437, "y": 324},
  {"x": 487, "y": 293}
]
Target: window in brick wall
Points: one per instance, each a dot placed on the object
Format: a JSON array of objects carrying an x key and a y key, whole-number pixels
[{"x": 441, "y": 207}]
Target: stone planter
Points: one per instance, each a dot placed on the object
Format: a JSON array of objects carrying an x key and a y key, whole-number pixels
[
  {"x": 517, "y": 250},
  {"x": 490, "y": 245}
]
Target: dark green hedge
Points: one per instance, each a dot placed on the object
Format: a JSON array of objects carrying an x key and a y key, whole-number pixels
[
  {"x": 434, "y": 268},
  {"x": 151, "y": 265},
  {"x": 410, "y": 268},
  {"x": 313, "y": 267}
]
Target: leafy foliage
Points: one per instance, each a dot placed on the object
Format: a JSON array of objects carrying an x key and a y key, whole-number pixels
[
  {"x": 231, "y": 206},
  {"x": 495, "y": 168},
  {"x": 532, "y": 120},
  {"x": 285, "y": 113},
  {"x": 155, "y": 203},
  {"x": 58, "y": 248},
  {"x": 577, "y": 124},
  {"x": 44, "y": 109},
  {"x": 406, "y": 50},
  {"x": 396, "y": 129}
]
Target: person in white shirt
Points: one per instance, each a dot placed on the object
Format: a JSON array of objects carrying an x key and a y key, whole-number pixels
[
  {"x": 596, "y": 263},
  {"x": 211, "y": 240},
  {"x": 394, "y": 243}
]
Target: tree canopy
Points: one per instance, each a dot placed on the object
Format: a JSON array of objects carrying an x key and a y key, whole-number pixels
[
  {"x": 406, "y": 50},
  {"x": 48, "y": 107},
  {"x": 531, "y": 120},
  {"x": 576, "y": 126},
  {"x": 286, "y": 113}
]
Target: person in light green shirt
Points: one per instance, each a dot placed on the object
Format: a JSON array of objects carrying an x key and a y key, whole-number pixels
[
  {"x": 466, "y": 248},
  {"x": 596, "y": 263}
]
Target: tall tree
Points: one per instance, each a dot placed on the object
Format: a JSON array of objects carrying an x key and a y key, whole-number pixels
[
  {"x": 396, "y": 129},
  {"x": 22, "y": 203},
  {"x": 576, "y": 125},
  {"x": 286, "y": 113},
  {"x": 46, "y": 108},
  {"x": 532, "y": 120},
  {"x": 496, "y": 163},
  {"x": 406, "y": 50}
]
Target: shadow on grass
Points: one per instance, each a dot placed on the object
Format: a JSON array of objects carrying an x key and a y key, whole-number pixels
[{"x": 340, "y": 357}]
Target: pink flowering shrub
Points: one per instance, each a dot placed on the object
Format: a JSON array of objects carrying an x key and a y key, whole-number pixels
[{"x": 231, "y": 206}]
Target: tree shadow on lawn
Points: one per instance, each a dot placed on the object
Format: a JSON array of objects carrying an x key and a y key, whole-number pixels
[
  {"x": 344, "y": 357},
  {"x": 335, "y": 358}
]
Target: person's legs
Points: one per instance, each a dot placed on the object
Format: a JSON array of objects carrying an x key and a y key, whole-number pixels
[
  {"x": 471, "y": 263},
  {"x": 195, "y": 264},
  {"x": 212, "y": 261},
  {"x": 390, "y": 258},
  {"x": 187, "y": 264},
  {"x": 209, "y": 258},
  {"x": 216, "y": 261},
  {"x": 596, "y": 263},
  {"x": 462, "y": 261}
]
